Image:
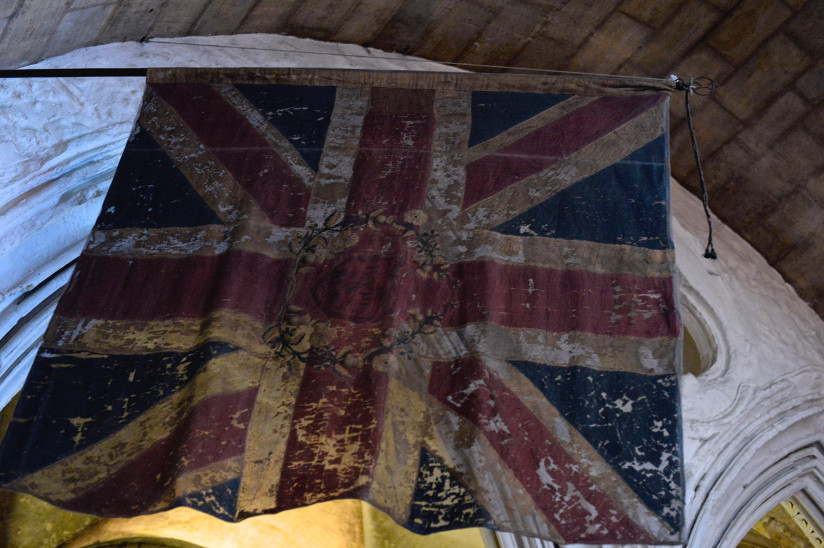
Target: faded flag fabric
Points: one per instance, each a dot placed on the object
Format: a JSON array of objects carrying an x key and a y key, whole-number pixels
[{"x": 450, "y": 295}]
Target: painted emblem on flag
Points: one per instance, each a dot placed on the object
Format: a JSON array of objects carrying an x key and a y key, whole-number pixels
[{"x": 451, "y": 299}]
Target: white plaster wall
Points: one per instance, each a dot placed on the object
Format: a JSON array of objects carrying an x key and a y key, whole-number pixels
[
  {"x": 761, "y": 403},
  {"x": 753, "y": 423}
]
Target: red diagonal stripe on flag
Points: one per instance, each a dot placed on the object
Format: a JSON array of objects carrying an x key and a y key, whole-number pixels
[
  {"x": 550, "y": 144},
  {"x": 395, "y": 152},
  {"x": 558, "y": 484},
  {"x": 212, "y": 431},
  {"x": 116, "y": 288},
  {"x": 241, "y": 149}
]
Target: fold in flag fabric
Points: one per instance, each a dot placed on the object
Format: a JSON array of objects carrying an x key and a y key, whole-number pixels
[{"x": 450, "y": 295}]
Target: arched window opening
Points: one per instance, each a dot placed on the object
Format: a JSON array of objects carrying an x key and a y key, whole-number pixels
[{"x": 700, "y": 350}]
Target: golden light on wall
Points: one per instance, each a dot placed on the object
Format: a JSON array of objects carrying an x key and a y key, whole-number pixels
[{"x": 28, "y": 523}]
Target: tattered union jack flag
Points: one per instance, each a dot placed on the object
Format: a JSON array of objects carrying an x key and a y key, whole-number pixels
[{"x": 450, "y": 295}]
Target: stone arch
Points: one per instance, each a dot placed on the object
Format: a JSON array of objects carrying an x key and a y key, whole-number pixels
[
  {"x": 702, "y": 326},
  {"x": 784, "y": 458}
]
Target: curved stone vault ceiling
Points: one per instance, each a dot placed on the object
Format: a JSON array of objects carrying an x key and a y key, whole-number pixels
[{"x": 761, "y": 134}]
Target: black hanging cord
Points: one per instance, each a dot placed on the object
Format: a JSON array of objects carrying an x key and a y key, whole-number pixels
[{"x": 701, "y": 86}]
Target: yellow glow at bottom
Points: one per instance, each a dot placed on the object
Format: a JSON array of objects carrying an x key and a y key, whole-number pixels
[{"x": 335, "y": 524}]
